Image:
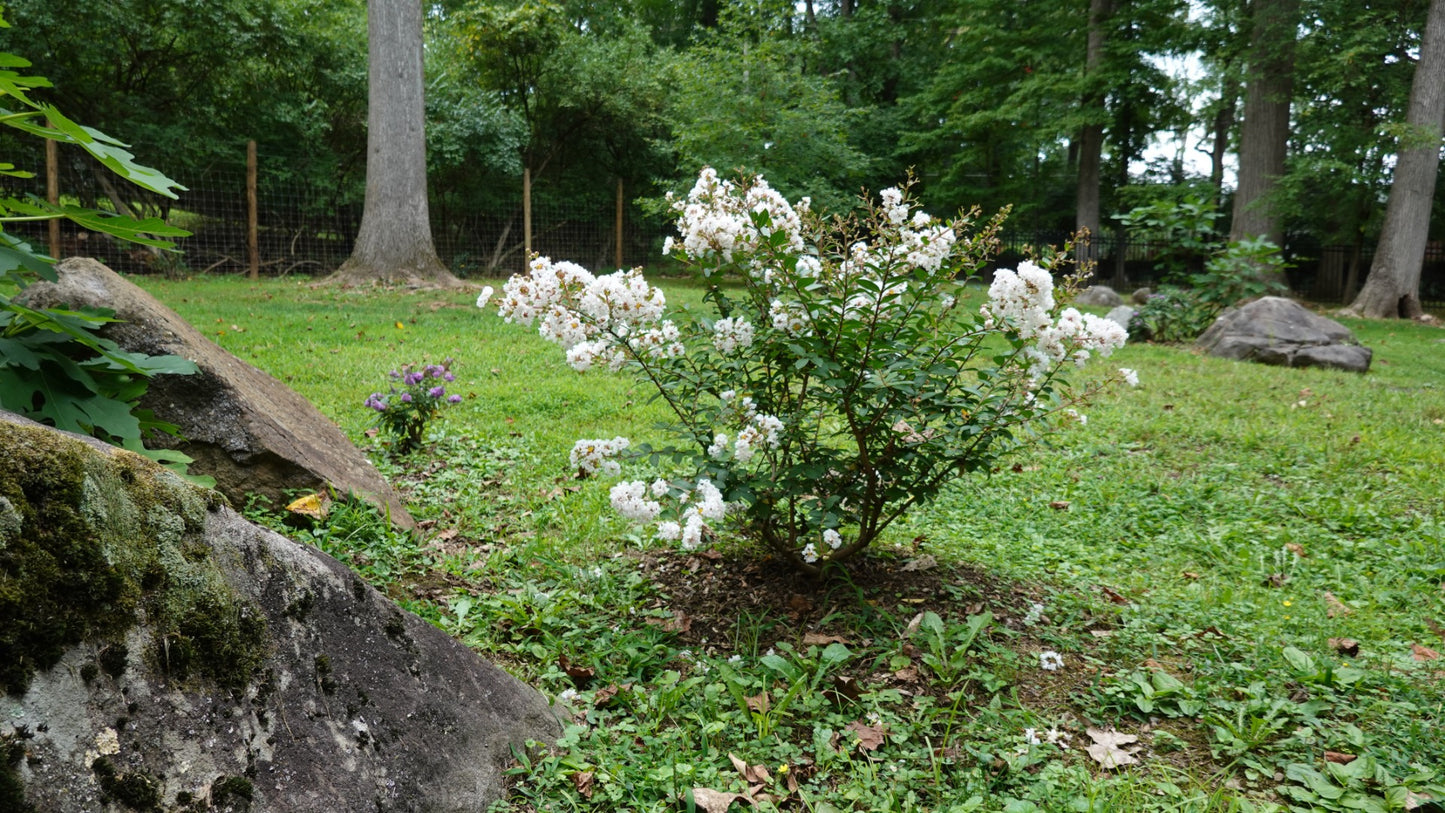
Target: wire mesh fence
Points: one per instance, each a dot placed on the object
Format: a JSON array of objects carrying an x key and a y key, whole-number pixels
[{"x": 308, "y": 228}]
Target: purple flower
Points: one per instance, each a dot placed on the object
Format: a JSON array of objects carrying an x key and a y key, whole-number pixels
[
  {"x": 406, "y": 398},
  {"x": 454, "y": 399},
  {"x": 449, "y": 377},
  {"x": 413, "y": 378},
  {"x": 437, "y": 392}
]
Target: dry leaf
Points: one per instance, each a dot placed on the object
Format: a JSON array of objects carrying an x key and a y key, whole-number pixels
[
  {"x": 1423, "y": 653},
  {"x": 1346, "y": 646},
  {"x": 752, "y": 774},
  {"x": 580, "y": 675},
  {"x": 1416, "y": 801},
  {"x": 912, "y": 626},
  {"x": 1276, "y": 580},
  {"x": 1296, "y": 548},
  {"x": 1059, "y": 505},
  {"x": 1339, "y": 758},
  {"x": 819, "y": 639},
  {"x": 759, "y": 703},
  {"x": 714, "y": 801},
  {"x": 870, "y": 738},
  {"x": 844, "y": 688},
  {"x": 922, "y": 563},
  {"x": 1113, "y": 595},
  {"x": 1107, "y": 750},
  {"x": 1189, "y": 574},
  {"x": 311, "y": 506},
  {"x": 1335, "y": 607},
  {"x": 582, "y": 780},
  {"x": 1101, "y": 633}
]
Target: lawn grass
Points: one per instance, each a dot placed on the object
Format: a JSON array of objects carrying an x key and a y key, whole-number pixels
[{"x": 1194, "y": 554}]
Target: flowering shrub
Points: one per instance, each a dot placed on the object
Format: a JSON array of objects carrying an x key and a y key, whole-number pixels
[
  {"x": 404, "y": 412},
  {"x": 840, "y": 383}
]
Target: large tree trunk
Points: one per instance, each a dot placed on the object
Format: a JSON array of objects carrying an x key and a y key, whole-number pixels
[
  {"x": 1264, "y": 135},
  {"x": 1393, "y": 286},
  {"x": 394, "y": 243},
  {"x": 1091, "y": 137}
]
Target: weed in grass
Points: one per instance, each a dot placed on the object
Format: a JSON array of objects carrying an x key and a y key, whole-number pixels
[{"x": 1181, "y": 500}]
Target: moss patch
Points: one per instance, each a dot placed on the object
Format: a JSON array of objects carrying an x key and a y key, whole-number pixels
[{"x": 87, "y": 539}]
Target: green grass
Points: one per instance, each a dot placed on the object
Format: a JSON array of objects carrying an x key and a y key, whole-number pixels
[{"x": 1223, "y": 523}]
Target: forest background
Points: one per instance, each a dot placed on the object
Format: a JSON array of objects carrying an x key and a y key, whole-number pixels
[{"x": 608, "y": 106}]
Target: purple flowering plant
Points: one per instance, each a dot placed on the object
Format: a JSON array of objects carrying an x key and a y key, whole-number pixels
[{"x": 417, "y": 395}]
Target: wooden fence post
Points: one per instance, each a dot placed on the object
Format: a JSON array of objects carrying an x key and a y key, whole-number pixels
[
  {"x": 52, "y": 191},
  {"x": 526, "y": 216},
  {"x": 619, "y": 223},
  {"x": 253, "y": 242}
]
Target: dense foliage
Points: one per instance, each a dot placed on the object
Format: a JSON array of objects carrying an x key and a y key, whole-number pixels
[
  {"x": 54, "y": 365},
  {"x": 985, "y": 100}
]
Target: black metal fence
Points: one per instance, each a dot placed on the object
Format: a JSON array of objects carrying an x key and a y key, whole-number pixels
[{"x": 309, "y": 229}]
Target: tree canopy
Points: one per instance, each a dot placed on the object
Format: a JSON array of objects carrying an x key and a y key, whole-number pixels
[{"x": 989, "y": 102}]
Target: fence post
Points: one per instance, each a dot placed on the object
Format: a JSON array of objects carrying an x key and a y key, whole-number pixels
[
  {"x": 619, "y": 223},
  {"x": 253, "y": 243},
  {"x": 52, "y": 191},
  {"x": 526, "y": 216}
]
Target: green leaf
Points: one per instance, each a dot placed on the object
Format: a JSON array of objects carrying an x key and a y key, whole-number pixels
[{"x": 1300, "y": 662}]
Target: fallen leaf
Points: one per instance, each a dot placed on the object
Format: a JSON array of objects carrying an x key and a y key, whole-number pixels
[
  {"x": 1101, "y": 633},
  {"x": 1189, "y": 574},
  {"x": 714, "y": 801},
  {"x": 1113, "y": 595},
  {"x": 870, "y": 738},
  {"x": 752, "y": 774},
  {"x": 1276, "y": 580},
  {"x": 819, "y": 639},
  {"x": 311, "y": 506},
  {"x": 759, "y": 703},
  {"x": 1423, "y": 653},
  {"x": 1417, "y": 801},
  {"x": 604, "y": 696},
  {"x": 580, "y": 675},
  {"x": 799, "y": 603},
  {"x": 1059, "y": 505},
  {"x": 1335, "y": 607},
  {"x": 912, "y": 626},
  {"x": 1339, "y": 758},
  {"x": 1296, "y": 548},
  {"x": 680, "y": 622},
  {"x": 844, "y": 688},
  {"x": 1346, "y": 646},
  {"x": 922, "y": 563},
  {"x": 1107, "y": 749},
  {"x": 582, "y": 780}
]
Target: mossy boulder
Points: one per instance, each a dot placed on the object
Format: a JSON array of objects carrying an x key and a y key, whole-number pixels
[{"x": 154, "y": 656}]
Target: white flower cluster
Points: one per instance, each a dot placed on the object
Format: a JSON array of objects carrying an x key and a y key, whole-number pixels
[
  {"x": 590, "y": 317},
  {"x": 591, "y": 457},
  {"x": 732, "y": 334},
  {"x": 831, "y": 538},
  {"x": 716, "y": 220},
  {"x": 758, "y": 430},
  {"x": 631, "y": 500},
  {"x": 703, "y": 504},
  {"x": 1024, "y": 301}
]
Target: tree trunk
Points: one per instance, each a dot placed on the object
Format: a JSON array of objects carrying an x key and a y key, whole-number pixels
[
  {"x": 1223, "y": 126},
  {"x": 394, "y": 243},
  {"x": 1091, "y": 138},
  {"x": 1264, "y": 136},
  {"x": 1393, "y": 285}
]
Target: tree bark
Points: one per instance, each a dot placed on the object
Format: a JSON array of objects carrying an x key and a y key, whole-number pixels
[
  {"x": 394, "y": 243},
  {"x": 1393, "y": 285},
  {"x": 1091, "y": 137},
  {"x": 1264, "y": 135}
]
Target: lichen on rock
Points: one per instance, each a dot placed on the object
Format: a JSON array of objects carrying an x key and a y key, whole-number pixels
[{"x": 105, "y": 537}]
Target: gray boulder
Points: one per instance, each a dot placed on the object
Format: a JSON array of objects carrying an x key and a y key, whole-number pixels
[
  {"x": 1101, "y": 296},
  {"x": 1121, "y": 316},
  {"x": 1274, "y": 330},
  {"x": 252, "y": 433},
  {"x": 1141, "y": 295},
  {"x": 158, "y": 652}
]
